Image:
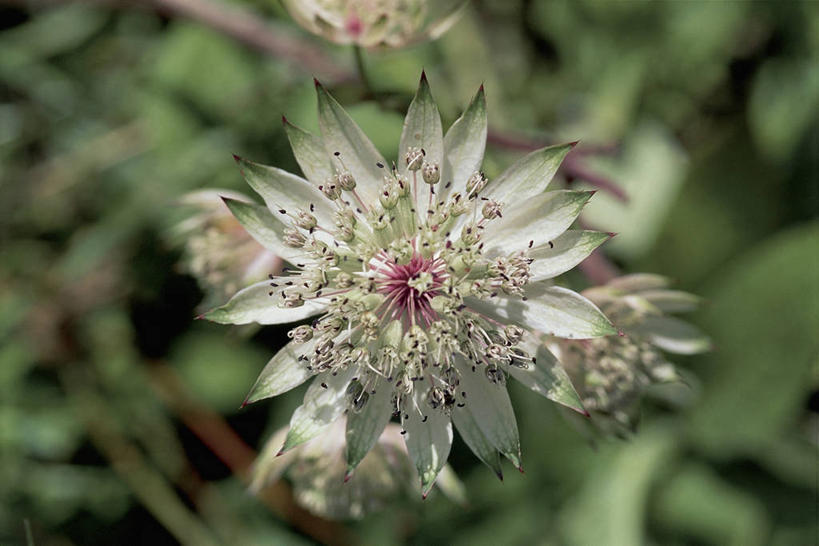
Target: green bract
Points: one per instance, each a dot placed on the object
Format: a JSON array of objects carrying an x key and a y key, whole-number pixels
[{"x": 427, "y": 281}]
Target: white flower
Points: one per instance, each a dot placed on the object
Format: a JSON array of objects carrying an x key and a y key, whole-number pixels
[
  {"x": 425, "y": 297},
  {"x": 376, "y": 23}
]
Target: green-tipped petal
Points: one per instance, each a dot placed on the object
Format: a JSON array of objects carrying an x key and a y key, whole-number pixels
[
  {"x": 529, "y": 176},
  {"x": 262, "y": 226},
  {"x": 324, "y": 402},
  {"x": 552, "y": 310},
  {"x": 492, "y": 410},
  {"x": 535, "y": 222},
  {"x": 464, "y": 145},
  {"x": 343, "y": 136},
  {"x": 672, "y": 301},
  {"x": 283, "y": 372},
  {"x": 422, "y": 128},
  {"x": 672, "y": 335},
  {"x": 365, "y": 426},
  {"x": 473, "y": 437},
  {"x": 310, "y": 154},
  {"x": 428, "y": 440},
  {"x": 284, "y": 191},
  {"x": 565, "y": 251},
  {"x": 546, "y": 376},
  {"x": 257, "y": 303}
]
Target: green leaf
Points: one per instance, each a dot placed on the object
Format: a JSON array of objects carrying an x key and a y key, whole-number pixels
[
  {"x": 528, "y": 176},
  {"x": 263, "y": 227},
  {"x": 428, "y": 435},
  {"x": 258, "y": 303},
  {"x": 365, "y": 427},
  {"x": 464, "y": 145},
  {"x": 422, "y": 128},
  {"x": 357, "y": 153},
  {"x": 283, "y": 372},
  {"x": 324, "y": 402},
  {"x": 565, "y": 251},
  {"x": 535, "y": 222}
]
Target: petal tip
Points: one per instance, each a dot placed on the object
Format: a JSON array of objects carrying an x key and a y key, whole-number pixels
[
  {"x": 423, "y": 75},
  {"x": 574, "y": 143}
]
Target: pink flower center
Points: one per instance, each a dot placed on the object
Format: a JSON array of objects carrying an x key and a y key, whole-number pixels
[{"x": 409, "y": 288}]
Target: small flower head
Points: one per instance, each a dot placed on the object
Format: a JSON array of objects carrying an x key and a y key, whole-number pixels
[
  {"x": 426, "y": 305},
  {"x": 376, "y": 23},
  {"x": 611, "y": 374}
]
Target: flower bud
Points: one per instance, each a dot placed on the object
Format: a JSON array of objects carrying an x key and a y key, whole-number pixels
[
  {"x": 414, "y": 158},
  {"x": 431, "y": 173}
]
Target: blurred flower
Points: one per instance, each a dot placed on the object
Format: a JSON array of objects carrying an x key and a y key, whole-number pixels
[
  {"x": 376, "y": 23},
  {"x": 612, "y": 373},
  {"x": 318, "y": 472},
  {"x": 217, "y": 249},
  {"x": 428, "y": 279}
]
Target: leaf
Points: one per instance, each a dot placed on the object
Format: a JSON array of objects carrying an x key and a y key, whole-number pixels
[
  {"x": 528, "y": 176},
  {"x": 324, "y": 402},
  {"x": 357, "y": 153},
  {"x": 428, "y": 435},
  {"x": 283, "y": 372},
  {"x": 422, "y": 128},
  {"x": 464, "y": 145},
  {"x": 565, "y": 251},
  {"x": 365, "y": 427},
  {"x": 258, "y": 303}
]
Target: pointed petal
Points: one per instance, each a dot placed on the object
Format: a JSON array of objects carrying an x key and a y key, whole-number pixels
[
  {"x": 263, "y": 227},
  {"x": 422, "y": 128},
  {"x": 324, "y": 402},
  {"x": 491, "y": 409},
  {"x": 552, "y": 310},
  {"x": 257, "y": 303},
  {"x": 310, "y": 154},
  {"x": 464, "y": 145},
  {"x": 476, "y": 440},
  {"x": 565, "y": 251},
  {"x": 528, "y": 176},
  {"x": 639, "y": 281},
  {"x": 673, "y": 335},
  {"x": 535, "y": 222},
  {"x": 546, "y": 376},
  {"x": 672, "y": 301},
  {"x": 365, "y": 427},
  {"x": 428, "y": 440},
  {"x": 283, "y": 372},
  {"x": 284, "y": 191},
  {"x": 341, "y": 134}
]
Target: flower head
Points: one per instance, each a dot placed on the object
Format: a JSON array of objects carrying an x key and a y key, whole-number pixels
[
  {"x": 375, "y": 23},
  {"x": 426, "y": 279},
  {"x": 612, "y": 373},
  {"x": 320, "y": 480}
]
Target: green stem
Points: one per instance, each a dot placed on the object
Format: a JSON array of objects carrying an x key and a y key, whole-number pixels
[{"x": 361, "y": 67}]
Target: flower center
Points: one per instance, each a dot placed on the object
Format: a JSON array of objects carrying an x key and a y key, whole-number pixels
[{"x": 409, "y": 288}]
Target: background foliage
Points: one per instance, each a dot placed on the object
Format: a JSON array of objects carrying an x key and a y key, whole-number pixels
[{"x": 119, "y": 419}]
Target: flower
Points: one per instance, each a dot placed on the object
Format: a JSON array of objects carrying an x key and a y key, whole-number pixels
[
  {"x": 376, "y": 23},
  {"x": 427, "y": 280},
  {"x": 218, "y": 252},
  {"x": 611, "y": 374},
  {"x": 318, "y": 472}
]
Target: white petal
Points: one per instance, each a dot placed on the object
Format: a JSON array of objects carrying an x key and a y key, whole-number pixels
[
  {"x": 422, "y": 128},
  {"x": 672, "y": 335},
  {"x": 472, "y": 436},
  {"x": 310, "y": 154},
  {"x": 283, "y": 372},
  {"x": 490, "y": 407},
  {"x": 284, "y": 191},
  {"x": 536, "y": 221},
  {"x": 550, "y": 309},
  {"x": 256, "y": 304},
  {"x": 528, "y": 176},
  {"x": 565, "y": 251},
  {"x": 324, "y": 402},
  {"x": 343, "y": 136},
  {"x": 546, "y": 376},
  {"x": 365, "y": 427},
  {"x": 428, "y": 436},
  {"x": 464, "y": 145},
  {"x": 263, "y": 227}
]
